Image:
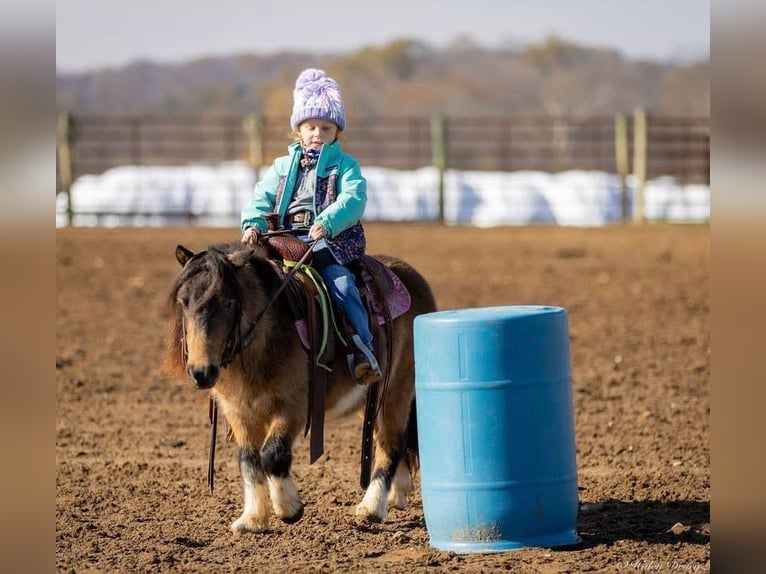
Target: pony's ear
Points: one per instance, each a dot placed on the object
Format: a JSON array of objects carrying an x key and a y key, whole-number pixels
[{"x": 183, "y": 255}]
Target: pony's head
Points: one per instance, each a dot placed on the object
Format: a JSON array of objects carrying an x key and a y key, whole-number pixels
[{"x": 208, "y": 308}]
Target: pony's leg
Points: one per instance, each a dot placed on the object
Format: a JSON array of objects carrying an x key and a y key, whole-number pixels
[
  {"x": 373, "y": 505},
  {"x": 255, "y": 516},
  {"x": 391, "y": 441},
  {"x": 277, "y": 457},
  {"x": 401, "y": 487}
]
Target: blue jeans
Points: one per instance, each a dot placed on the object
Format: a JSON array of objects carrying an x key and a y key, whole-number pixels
[{"x": 342, "y": 286}]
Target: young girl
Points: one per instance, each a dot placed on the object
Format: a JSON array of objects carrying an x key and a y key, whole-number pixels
[{"x": 320, "y": 193}]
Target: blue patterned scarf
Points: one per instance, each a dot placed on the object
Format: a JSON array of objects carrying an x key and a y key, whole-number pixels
[{"x": 309, "y": 158}]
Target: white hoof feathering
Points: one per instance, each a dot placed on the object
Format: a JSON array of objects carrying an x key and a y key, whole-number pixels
[
  {"x": 250, "y": 523},
  {"x": 401, "y": 488},
  {"x": 373, "y": 505},
  {"x": 285, "y": 498},
  {"x": 255, "y": 516}
]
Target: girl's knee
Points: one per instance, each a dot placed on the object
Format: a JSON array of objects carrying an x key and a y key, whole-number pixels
[{"x": 339, "y": 277}]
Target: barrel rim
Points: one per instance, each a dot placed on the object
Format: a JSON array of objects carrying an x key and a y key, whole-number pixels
[{"x": 490, "y": 314}]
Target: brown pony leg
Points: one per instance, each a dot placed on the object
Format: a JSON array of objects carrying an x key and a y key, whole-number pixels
[
  {"x": 265, "y": 456},
  {"x": 390, "y": 468},
  {"x": 402, "y": 485},
  {"x": 285, "y": 498},
  {"x": 255, "y": 516},
  {"x": 266, "y": 473}
]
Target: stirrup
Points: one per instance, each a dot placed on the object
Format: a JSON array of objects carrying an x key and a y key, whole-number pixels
[{"x": 362, "y": 364}]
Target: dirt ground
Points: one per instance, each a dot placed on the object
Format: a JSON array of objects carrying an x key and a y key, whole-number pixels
[{"x": 131, "y": 445}]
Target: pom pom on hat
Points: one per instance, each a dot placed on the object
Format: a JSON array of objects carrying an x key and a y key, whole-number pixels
[{"x": 317, "y": 96}]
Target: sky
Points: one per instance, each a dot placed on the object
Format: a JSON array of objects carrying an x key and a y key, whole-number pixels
[{"x": 93, "y": 34}]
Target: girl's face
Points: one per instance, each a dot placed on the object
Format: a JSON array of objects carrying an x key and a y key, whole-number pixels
[{"x": 315, "y": 133}]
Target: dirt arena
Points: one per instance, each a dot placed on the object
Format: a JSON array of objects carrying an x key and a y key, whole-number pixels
[{"x": 131, "y": 445}]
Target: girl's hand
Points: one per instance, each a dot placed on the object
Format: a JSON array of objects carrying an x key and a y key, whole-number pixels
[
  {"x": 317, "y": 231},
  {"x": 250, "y": 236}
]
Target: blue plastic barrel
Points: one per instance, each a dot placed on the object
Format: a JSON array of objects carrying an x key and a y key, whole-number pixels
[{"x": 496, "y": 428}]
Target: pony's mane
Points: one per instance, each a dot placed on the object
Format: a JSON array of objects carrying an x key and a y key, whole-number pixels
[{"x": 215, "y": 266}]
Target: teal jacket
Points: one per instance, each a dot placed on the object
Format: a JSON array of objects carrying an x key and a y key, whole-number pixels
[{"x": 340, "y": 197}]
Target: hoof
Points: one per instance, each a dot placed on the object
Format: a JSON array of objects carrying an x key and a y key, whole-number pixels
[
  {"x": 249, "y": 524},
  {"x": 373, "y": 505},
  {"x": 285, "y": 500},
  {"x": 398, "y": 501},
  {"x": 294, "y": 518},
  {"x": 368, "y": 515}
]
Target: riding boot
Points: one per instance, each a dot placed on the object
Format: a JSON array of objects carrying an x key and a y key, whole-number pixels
[{"x": 362, "y": 363}]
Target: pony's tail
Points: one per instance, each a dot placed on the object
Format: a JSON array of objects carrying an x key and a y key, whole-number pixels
[{"x": 411, "y": 449}]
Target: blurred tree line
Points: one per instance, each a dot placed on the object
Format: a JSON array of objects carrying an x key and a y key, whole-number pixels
[{"x": 403, "y": 78}]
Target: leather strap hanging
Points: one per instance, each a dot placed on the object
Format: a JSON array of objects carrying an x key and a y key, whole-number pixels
[
  {"x": 213, "y": 415},
  {"x": 374, "y": 403},
  {"x": 317, "y": 377},
  {"x": 367, "y": 432}
]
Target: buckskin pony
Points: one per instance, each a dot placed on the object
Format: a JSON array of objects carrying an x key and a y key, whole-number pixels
[{"x": 260, "y": 381}]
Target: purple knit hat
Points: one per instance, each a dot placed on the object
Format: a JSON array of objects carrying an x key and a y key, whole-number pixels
[{"x": 317, "y": 96}]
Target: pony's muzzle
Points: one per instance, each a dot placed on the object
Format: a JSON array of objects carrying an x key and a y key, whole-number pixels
[{"x": 205, "y": 377}]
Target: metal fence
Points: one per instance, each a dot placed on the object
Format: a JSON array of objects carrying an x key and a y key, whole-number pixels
[
  {"x": 641, "y": 144},
  {"x": 679, "y": 147},
  {"x": 675, "y": 146}
]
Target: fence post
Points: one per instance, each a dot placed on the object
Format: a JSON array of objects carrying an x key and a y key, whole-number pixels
[
  {"x": 64, "y": 144},
  {"x": 621, "y": 160},
  {"x": 439, "y": 155},
  {"x": 639, "y": 162},
  {"x": 253, "y": 126}
]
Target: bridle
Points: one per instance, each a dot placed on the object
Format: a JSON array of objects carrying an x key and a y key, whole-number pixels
[{"x": 239, "y": 337}]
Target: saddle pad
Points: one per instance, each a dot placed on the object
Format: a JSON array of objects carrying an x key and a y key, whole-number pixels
[
  {"x": 399, "y": 302},
  {"x": 399, "y": 299}
]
